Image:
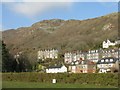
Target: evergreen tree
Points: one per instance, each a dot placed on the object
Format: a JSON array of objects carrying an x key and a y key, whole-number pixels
[
  {"x": 10, "y": 64},
  {"x": 7, "y": 59}
]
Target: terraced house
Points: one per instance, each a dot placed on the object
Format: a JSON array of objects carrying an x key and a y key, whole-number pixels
[
  {"x": 84, "y": 66},
  {"x": 91, "y": 55},
  {"x": 110, "y": 53},
  {"x": 73, "y": 56},
  {"x": 48, "y": 53},
  {"x": 109, "y": 64}
]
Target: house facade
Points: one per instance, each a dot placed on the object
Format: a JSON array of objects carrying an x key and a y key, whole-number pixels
[
  {"x": 48, "y": 53},
  {"x": 56, "y": 69},
  {"x": 117, "y": 41},
  {"x": 93, "y": 55},
  {"x": 68, "y": 57},
  {"x": 73, "y": 56},
  {"x": 109, "y": 64},
  {"x": 110, "y": 53},
  {"x": 84, "y": 66}
]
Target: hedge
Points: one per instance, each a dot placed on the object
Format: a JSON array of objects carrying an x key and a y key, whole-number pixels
[{"x": 76, "y": 78}]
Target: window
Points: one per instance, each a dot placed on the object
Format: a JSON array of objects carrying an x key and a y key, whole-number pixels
[
  {"x": 101, "y": 65},
  {"x": 96, "y": 56},
  {"x": 73, "y": 67},
  {"x": 102, "y": 60},
  {"x": 106, "y": 60},
  {"x": 84, "y": 66},
  {"x": 111, "y": 60},
  {"x": 82, "y": 62},
  {"x": 109, "y": 65},
  {"x": 85, "y": 71},
  {"x": 108, "y": 69},
  {"x": 106, "y": 65},
  {"x": 39, "y": 57},
  {"x": 100, "y": 70}
]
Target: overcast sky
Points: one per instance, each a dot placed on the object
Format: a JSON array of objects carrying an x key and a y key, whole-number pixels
[{"x": 24, "y": 14}]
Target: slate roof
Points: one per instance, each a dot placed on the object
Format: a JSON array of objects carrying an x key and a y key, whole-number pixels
[
  {"x": 117, "y": 39},
  {"x": 58, "y": 66},
  {"x": 85, "y": 62},
  {"x": 114, "y": 60},
  {"x": 109, "y": 50}
]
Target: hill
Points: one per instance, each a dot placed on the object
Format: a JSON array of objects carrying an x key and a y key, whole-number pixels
[{"x": 64, "y": 35}]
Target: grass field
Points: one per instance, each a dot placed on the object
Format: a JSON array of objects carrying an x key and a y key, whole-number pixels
[{"x": 12, "y": 84}]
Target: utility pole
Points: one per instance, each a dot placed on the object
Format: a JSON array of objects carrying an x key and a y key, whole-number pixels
[
  {"x": 17, "y": 60},
  {"x": 16, "y": 57}
]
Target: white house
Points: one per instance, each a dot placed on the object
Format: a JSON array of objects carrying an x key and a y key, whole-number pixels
[
  {"x": 68, "y": 57},
  {"x": 48, "y": 53},
  {"x": 107, "y": 43},
  {"x": 56, "y": 69},
  {"x": 73, "y": 69},
  {"x": 117, "y": 41},
  {"x": 110, "y": 53},
  {"x": 73, "y": 56},
  {"x": 93, "y": 55}
]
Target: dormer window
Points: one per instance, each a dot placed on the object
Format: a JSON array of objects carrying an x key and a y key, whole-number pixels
[
  {"x": 111, "y": 60},
  {"x": 102, "y": 60},
  {"x": 106, "y": 60}
]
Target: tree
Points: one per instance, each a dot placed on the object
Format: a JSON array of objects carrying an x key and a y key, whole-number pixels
[
  {"x": 117, "y": 45},
  {"x": 111, "y": 46},
  {"x": 97, "y": 70},
  {"x": 23, "y": 64},
  {"x": 40, "y": 61},
  {"x": 11, "y": 64},
  {"x": 7, "y": 59}
]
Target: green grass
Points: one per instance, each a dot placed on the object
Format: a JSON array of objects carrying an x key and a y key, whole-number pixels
[{"x": 13, "y": 84}]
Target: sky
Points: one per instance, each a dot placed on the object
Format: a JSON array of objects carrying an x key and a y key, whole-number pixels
[{"x": 24, "y": 14}]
